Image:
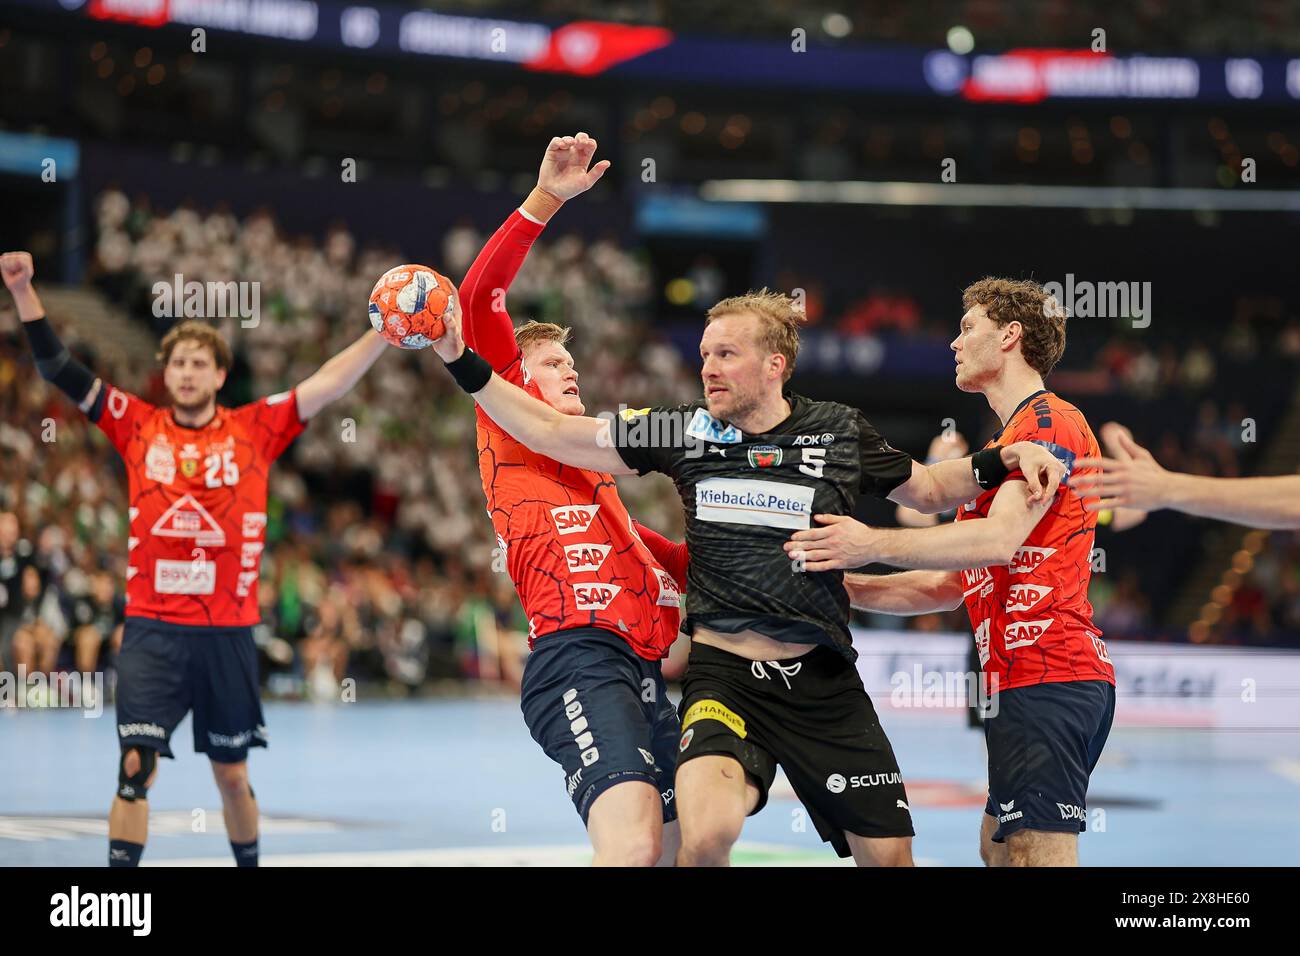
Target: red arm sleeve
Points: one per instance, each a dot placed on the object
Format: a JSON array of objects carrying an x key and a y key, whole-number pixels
[
  {"x": 670, "y": 555},
  {"x": 121, "y": 414},
  {"x": 487, "y": 326}
]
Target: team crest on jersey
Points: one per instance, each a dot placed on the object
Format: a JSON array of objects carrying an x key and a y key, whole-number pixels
[
  {"x": 189, "y": 459},
  {"x": 160, "y": 461},
  {"x": 765, "y": 456},
  {"x": 705, "y": 426}
]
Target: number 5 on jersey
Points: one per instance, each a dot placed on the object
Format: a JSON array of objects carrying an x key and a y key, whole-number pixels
[
  {"x": 814, "y": 460},
  {"x": 222, "y": 469}
]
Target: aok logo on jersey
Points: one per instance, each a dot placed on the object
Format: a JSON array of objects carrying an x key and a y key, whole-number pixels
[
  {"x": 571, "y": 519},
  {"x": 586, "y": 557},
  {"x": 595, "y": 597},
  {"x": 1024, "y": 597},
  {"x": 1024, "y": 633},
  {"x": 1027, "y": 560}
]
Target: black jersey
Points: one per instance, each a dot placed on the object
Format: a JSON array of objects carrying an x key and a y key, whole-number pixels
[{"x": 744, "y": 495}]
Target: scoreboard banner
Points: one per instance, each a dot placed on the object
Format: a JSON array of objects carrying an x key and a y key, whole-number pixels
[{"x": 589, "y": 48}]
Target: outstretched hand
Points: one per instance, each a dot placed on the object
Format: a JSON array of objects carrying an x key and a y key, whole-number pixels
[
  {"x": 1131, "y": 479},
  {"x": 564, "y": 173}
]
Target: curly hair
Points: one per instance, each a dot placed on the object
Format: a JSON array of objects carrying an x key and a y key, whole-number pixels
[{"x": 1042, "y": 341}]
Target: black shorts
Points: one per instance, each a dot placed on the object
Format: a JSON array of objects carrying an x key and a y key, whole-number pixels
[
  {"x": 165, "y": 670},
  {"x": 1044, "y": 741},
  {"x": 812, "y": 716},
  {"x": 602, "y": 713}
]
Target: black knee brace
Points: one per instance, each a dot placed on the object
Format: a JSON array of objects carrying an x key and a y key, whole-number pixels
[{"x": 134, "y": 786}]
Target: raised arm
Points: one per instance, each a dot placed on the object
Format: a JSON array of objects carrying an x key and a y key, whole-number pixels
[
  {"x": 1140, "y": 482},
  {"x": 946, "y": 484},
  {"x": 487, "y": 326},
  {"x": 905, "y": 593},
  {"x": 569, "y": 439},
  {"x": 842, "y": 542},
  {"x": 53, "y": 360},
  {"x": 336, "y": 377}
]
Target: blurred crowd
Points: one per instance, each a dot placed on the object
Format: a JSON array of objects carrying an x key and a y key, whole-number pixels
[{"x": 380, "y": 563}]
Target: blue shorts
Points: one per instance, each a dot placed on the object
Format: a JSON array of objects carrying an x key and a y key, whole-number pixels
[
  {"x": 602, "y": 713},
  {"x": 1043, "y": 744},
  {"x": 165, "y": 670}
]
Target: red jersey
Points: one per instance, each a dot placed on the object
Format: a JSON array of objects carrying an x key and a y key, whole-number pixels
[
  {"x": 575, "y": 555},
  {"x": 197, "y": 505},
  {"x": 1032, "y": 619}
]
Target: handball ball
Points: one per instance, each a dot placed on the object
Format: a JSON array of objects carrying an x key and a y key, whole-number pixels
[{"x": 407, "y": 305}]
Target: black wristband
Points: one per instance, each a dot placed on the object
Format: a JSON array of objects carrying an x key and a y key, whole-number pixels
[
  {"x": 988, "y": 467},
  {"x": 471, "y": 371}
]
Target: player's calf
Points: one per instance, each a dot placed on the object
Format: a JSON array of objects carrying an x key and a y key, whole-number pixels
[{"x": 128, "y": 820}]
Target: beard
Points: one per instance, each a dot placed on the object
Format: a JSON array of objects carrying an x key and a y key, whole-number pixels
[
  {"x": 735, "y": 404},
  {"x": 196, "y": 404}
]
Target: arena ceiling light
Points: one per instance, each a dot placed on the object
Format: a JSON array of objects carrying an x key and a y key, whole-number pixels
[{"x": 971, "y": 194}]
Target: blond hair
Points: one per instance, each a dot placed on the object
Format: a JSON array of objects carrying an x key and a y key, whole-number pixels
[
  {"x": 530, "y": 333},
  {"x": 192, "y": 330},
  {"x": 779, "y": 318}
]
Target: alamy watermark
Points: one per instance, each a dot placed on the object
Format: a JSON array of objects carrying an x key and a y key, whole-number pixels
[
  {"x": 1102, "y": 300},
  {"x": 920, "y": 688},
  {"x": 69, "y": 690},
  {"x": 208, "y": 300}
]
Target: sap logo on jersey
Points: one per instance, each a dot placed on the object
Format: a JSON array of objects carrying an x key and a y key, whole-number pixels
[
  {"x": 1023, "y": 633},
  {"x": 570, "y": 519},
  {"x": 669, "y": 594},
  {"x": 1023, "y": 597},
  {"x": 772, "y": 504},
  {"x": 1026, "y": 560},
  {"x": 185, "y": 577},
  {"x": 586, "y": 557},
  {"x": 705, "y": 426},
  {"x": 595, "y": 597}
]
